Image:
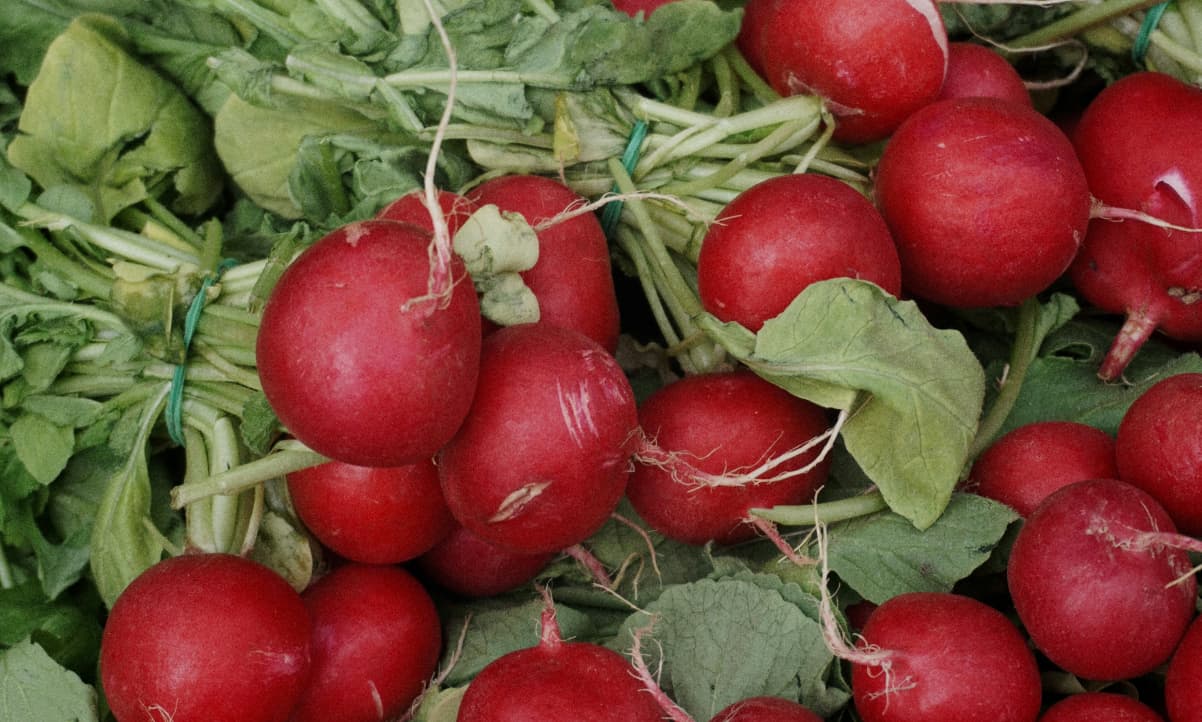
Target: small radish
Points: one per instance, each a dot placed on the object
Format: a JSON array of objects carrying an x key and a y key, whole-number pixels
[
  {"x": 874, "y": 62},
  {"x": 943, "y": 657},
  {"x": 1031, "y": 461},
  {"x": 572, "y": 280},
  {"x": 358, "y": 361},
  {"x": 1137, "y": 141},
  {"x": 1182, "y": 691},
  {"x": 376, "y": 642},
  {"x": 1159, "y": 449},
  {"x": 986, "y": 200},
  {"x": 783, "y": 234},
  {"x": 766, "y": 709},
  {"x": 205, "y": 638},
  {"x": 634, "y": 7},
  {"x": 557, "y": 680},
  {"x": 411, "y": 208},
  {"x": 975, "y": 71},
  {"x": 372, "y": 514},
  {"x": 693, "y": 480},
  {"x": 1098, "y": 706},
  {"x": 543, "y": 457},
  {"x": 465, "y": 564},
  {"x": 1092, "y": 574}
]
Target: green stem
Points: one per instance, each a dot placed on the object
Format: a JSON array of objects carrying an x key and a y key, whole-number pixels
[
  {"x": 1022, "y": 353},
  {"x": 6, "y": 573},
  {"x": 130, "y": 246},
  {"x": 1083, "y": 19},
  {"x": 827, "y": 512},
  {"x": 88, "y": 281},
  {"x": 749, "y": 77},
  {"x": 245, "y": 476}
]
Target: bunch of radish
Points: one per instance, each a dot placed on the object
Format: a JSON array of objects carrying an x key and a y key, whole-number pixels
[{"x": 473, "y": 422}]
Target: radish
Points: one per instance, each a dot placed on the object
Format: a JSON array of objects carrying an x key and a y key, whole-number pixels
[
  {"x": 975, "y": 71},
  {"x": 465, "y": 564},
  {"x": 543, "y": 457},
  {"x": 634, "y": 7},
  {"x": 372, "y": 514},
  {"x": 694, "y": 479},
  {"x": 205, "y": 638},
  {"x": 557, "y": 680},
  {"x": 766, "y": 709},
  {"x": 1092, "y": 574},
  {"x": 1182, "y": 692},
  {"x": 572, "y": 280},
  {"x": 357, "y": 360},
  {"x": 1096, "y": 706},
  {"x": 874, "y": 62},
  {"x": 1152, "y": 275},
  {"x": 781, "y": 235},
  {"x": 1159, "y": 450},
  {"x": 376, "y": 642},
  {"x": 1031, "y": 461},
  {"x": 943, "y": 657},
  {"x": 986, "y": 200},
  {"x": 411, "y": 208}
]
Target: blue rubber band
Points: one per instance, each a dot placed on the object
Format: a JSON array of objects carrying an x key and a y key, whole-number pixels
[
  {"x": 630, "y": 158},
  {"x": 1139, "y": 49},
  {"x": 175, "y": 400}
]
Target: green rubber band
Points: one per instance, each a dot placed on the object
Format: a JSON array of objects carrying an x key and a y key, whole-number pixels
[
  {"x": 1151, "y": 19},
  {"x": 630, "y": 158},
  {"x": 175, "y": 399}
]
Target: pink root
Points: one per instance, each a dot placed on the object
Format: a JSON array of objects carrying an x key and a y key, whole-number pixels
[
  {"x": 590, "y": 562},
  {"x": 1136, "y": 330},
  {"x": 650, "y": 684}
]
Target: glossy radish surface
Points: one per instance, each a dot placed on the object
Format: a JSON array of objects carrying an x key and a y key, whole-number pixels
[
  {"x": 1159, "y": 449},
  {"x": 572, "y": 279},
  {"x": 766, "y": 709},
  {"x": 376, "y": 641},
  {"x": 411, "y": 208},
  {"x": 372, "y": 514},
  {"x": 1183, "y": 693},
  {"x": 1097, "y": 706},
  {"x": 469, "y": 566},
  {"x": 1091, "y": 576},
  {"x": 976, "y": 71},
  {"x": 874, "y": 62},
  {"x": 944, "y": 657},
  {"x": 986, "y": 200},
  {"x": 352, "y": 366},
  {"x": 206, "y": 638},
  {"x": 783, "y": 234},
  {"x": 722, "y": 424},
  {"x": 1031, "y": 461},
  {"x": 544, "y": 455}
]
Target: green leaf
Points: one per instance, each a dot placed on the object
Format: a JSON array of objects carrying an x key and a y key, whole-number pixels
[
  {"x": 26, "y": 30},
  {"x": 69, "y": 631},
  {"x": 726, "y": 640},
  {"x": 883, "y": 555},
  {"x": 43, "y": 446},
  {"x": 122, "y": 544},
  {"x": 34, "y": 687},
  {"x": 128, "y": 129},
  {"x": 914, "y": 392}
]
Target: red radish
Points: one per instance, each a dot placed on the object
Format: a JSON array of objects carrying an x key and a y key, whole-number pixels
[
  {"x": 703, "y": 431},
  {"x": 465, "y": 564},
  {"x": 205, "y": 638},
  {"x": 874, "y": 62},
  {"x": 376, "y": 642},
  {"x": 572, "y": 280},
  {"x": 943, "y": 657},
  {"x": 634, "y": 7},
  {"x": 557, "y": 680},
  {"x": 356, "y": 360},
  {"x": 1133, "y": 160},
  {"x": 1182, "y": 691},
  {"x": 986, "y": 201},
  {"x": 1096, "y": 706},
  {"x": 1159, "y": 449},
  {"x": 1091, "y": 575},
  {"x": 544, "y": 455},
  {"x": 411, "y": 208},
  {"x": 783, "y": 234},
  {"x": 766, "y": 709},
  {"x": 975, "y": 71},
  {"x": 372, "y": 514},
  {"x": 1031, "y": 461}
]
